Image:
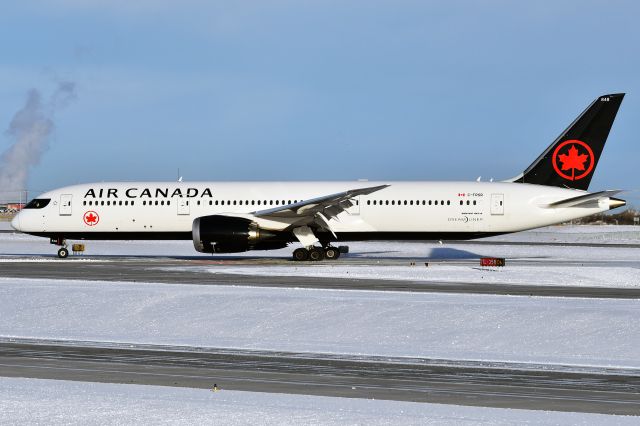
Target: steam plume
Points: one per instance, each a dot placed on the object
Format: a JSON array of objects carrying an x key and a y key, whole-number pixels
[{"x": 29, "y": 132}]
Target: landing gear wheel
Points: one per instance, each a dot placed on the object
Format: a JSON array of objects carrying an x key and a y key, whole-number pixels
[
  {"x": 300, "y": 254},
  {"x": 331, "y": 253},
  {"x": 316, "y": 254},
  {"x": 63, "y": 253}
]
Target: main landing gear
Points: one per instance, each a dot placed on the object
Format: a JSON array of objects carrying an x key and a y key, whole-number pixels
[{"x": 316, "y": 254}]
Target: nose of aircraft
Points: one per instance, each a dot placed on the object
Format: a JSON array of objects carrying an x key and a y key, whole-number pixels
[{"x": 15, "y": 223}]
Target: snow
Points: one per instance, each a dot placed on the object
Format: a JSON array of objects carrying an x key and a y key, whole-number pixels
[
  {"x": 579, "y": 276},
  {"x": 34, "y": 401},
  {"x": 601, "y": 234},
  {"x": 560, "y": 331},
  {"x": 15, "y": 244},
  {"x": 568, "y": 331}
]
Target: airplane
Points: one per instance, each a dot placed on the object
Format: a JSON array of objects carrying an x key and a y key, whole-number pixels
[{"x": 232, "y": 217}]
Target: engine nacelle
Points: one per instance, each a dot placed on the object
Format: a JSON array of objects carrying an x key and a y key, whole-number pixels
[{"x": 227, "y": 234}]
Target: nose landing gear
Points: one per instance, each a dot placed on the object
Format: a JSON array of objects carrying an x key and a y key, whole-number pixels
[{"x": 63, "y": 252}]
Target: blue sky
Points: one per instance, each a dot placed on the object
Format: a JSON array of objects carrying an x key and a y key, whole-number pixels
[{"x": 304, "y": 90}]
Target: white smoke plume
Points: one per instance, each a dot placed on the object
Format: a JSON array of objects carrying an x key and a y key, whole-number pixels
[{"x": 29, "y": 132}]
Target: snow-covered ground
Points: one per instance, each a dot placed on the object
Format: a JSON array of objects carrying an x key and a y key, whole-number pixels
[
  {"x": 547, "y": 265},
  {"x": 47, "y": 402},
  {"x": 597, "y": 332},
  {"x": 600, "y": 234},
  {"x": 580, "y": 276},
  {"x": 24, "y": 245},
  {"x": 567, "y": 331}
]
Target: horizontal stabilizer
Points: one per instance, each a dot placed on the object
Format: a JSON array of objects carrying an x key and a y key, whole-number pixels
[{"x": 588, "y": 199}]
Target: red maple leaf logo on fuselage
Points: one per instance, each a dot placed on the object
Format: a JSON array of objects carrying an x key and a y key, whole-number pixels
[{"x": 91, "y": 218}]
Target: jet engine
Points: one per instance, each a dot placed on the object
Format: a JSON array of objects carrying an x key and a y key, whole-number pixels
[{"x": 227, "y": 234}]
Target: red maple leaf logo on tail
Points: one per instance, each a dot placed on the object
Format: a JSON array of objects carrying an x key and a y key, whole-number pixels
[{"x": 573, "y": 160}]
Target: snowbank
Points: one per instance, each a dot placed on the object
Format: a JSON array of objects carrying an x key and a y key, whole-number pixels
[
  {"x": 597, "y": 332},
  {"x": 51, "y": 402}
]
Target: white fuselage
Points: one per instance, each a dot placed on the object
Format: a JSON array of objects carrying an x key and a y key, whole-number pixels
[{"x": 144, "y": 209}]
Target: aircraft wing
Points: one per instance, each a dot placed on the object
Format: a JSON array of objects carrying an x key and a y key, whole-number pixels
[
  {"x": 587, "y": 199},
  {"x": 323, "y": 208}
]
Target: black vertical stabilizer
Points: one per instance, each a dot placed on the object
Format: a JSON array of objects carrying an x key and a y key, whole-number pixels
[{"x": 571, "y": 159}]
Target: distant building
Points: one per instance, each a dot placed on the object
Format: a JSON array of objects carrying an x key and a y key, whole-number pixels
[{"x": 14, "y": 207}]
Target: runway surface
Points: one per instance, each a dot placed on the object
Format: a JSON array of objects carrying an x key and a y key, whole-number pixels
[
  {"x": 158, "y": 270},
  {"x": 513, "y": 385},
  {"x": 527, "y": 386}
]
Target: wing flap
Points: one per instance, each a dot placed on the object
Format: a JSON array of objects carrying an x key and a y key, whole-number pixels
[{"x": 329, "y": 205}]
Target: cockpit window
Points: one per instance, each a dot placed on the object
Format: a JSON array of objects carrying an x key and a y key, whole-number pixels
[{"x": 38, "y": 203}]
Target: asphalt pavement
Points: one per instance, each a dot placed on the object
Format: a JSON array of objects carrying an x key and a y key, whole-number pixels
[
  {"x": 187, "y": 270},
  {"x": 526, "y": 386}
]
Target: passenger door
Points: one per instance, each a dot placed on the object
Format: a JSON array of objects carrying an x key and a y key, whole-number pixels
[
  {"x": 183, "y": 206},
  {"x": 497, "y": 204},
  {"x": 65, "y": 204}
]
